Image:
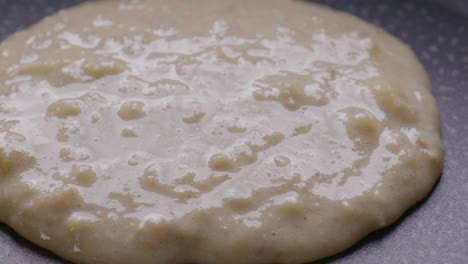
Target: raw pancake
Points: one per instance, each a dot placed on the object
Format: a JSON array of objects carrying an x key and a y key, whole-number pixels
[{"x": 234, "y": 131}]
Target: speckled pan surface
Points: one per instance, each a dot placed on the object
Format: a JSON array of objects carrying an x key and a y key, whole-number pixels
[{"x": 434, "y": 232}]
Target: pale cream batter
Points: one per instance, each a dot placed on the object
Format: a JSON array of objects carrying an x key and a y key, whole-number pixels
[{"x": 233, "y": 131}]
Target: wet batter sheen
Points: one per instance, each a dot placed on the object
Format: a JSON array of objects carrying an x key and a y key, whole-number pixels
[{"x": 234, "y": 131}]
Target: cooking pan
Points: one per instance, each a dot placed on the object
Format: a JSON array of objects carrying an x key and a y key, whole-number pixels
[{"x": 432, "y": 232}]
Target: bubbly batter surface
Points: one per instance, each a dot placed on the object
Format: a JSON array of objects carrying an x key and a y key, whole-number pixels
[{"x": 233, "y": 131}]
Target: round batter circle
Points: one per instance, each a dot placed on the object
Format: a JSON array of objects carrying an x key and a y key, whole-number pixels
[{"x": 210, "y": 132}]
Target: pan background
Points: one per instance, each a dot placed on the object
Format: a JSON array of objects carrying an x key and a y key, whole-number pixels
[{"x": 432, "y": 232}]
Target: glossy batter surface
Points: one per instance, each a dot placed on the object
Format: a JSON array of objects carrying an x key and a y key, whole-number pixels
[{"x": 210, "y": 132}]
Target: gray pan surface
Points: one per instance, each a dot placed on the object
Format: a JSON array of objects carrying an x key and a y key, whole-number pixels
[{"x": 432, "y": 232}]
